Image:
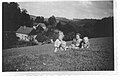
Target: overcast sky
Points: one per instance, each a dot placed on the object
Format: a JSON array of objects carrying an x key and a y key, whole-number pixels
[{"x": 70, "y": 9}]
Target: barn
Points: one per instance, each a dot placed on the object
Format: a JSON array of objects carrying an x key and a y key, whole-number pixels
[{"x": 26, "y": 33}]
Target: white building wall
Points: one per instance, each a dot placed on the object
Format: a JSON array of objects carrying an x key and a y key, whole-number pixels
[{"x": 22, "y": 36}]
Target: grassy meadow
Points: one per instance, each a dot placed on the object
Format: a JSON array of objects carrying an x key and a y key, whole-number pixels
[{"x": 99, "y": 57}]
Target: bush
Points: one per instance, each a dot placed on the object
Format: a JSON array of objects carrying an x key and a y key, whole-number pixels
[
  {"x": 52, "y": 35},
  {"x": 41, "y": 37}
]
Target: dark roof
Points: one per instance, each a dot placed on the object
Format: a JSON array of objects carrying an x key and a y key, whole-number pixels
[{"x": 24, "y": 30}]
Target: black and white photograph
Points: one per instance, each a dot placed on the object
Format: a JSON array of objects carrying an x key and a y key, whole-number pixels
[{"x": 51, "y": 36}]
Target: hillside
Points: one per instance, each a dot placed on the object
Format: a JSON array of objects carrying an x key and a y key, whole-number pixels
[
  {"x": 99, "y": 57},
  {"x": 33, "y": 17},
  {"x": 87, "y": 27}
]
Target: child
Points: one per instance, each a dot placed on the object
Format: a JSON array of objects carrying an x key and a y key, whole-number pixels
[
  {"x": 76, "y": 44},
  {"x": 85, "y": 43},
  {"x": 59, "y": 43}
]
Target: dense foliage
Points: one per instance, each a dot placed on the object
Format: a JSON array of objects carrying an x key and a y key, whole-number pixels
[
  {"x": 14, "y": 17},
  {"x": 88, "y": 27}
]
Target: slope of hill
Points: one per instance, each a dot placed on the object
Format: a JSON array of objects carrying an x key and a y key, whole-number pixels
[
  {"x": 99, "y": 57},
  {"x": 62, "y": 19},
  {"x": 87, "y": 27},
  {"x": 33, "y": 17}
]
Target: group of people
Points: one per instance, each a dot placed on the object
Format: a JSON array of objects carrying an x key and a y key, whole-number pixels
[{"x": 77, "y": 43}]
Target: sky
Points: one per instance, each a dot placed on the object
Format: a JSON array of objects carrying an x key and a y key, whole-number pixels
[{"x": 70, "y": 9}]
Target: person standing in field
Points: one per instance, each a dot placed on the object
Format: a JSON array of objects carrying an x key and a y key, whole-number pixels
[{"x": 59, "y": 43}]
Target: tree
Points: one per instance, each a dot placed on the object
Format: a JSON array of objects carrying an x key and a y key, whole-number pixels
[
  {"x": 11, "y": 16},
  {"x": 42, "y": 19},
  {"x": 25, "y": 18},
  {"x": 24, "y": 11},
  {"x": 52, "y": 21},
  {"x": 39, "y": 19}
]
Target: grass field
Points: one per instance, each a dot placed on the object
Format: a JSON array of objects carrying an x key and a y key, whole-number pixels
[{"x": 99, "y": 57}]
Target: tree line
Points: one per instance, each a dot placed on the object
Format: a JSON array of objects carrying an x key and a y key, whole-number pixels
[{"x": 13, "y": 17}]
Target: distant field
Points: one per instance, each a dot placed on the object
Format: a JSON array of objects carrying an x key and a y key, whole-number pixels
[{"x": 99, "y": 57}]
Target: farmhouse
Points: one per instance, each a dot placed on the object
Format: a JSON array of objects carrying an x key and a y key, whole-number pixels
[{"x": 26, "y": 33}]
